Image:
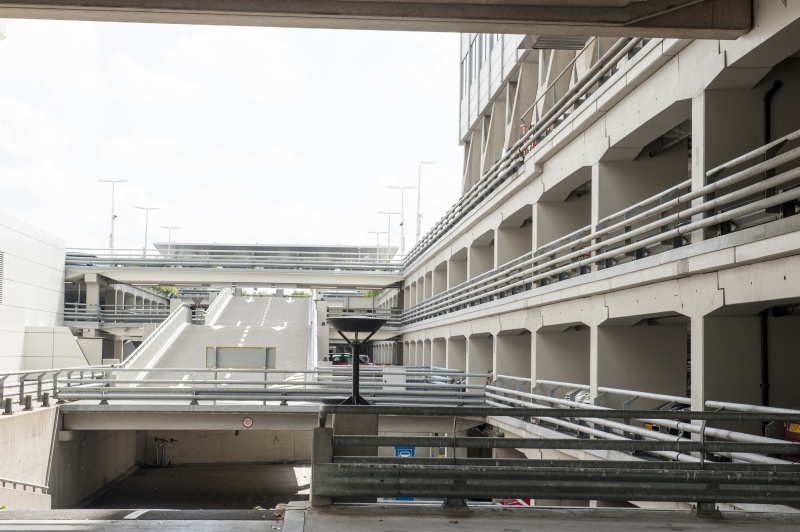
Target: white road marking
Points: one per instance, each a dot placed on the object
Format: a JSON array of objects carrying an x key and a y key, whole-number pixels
[
  {"x": 227, "y": 375},
  {"x": 136, "y": 514},
  {"x": 238, "y": 323},
  {"x": 290, "y": 300},
  {"x": 280, "y": 327},
  {"x": 185, "y": 378},
  {"x": 217, "y": 327},
  {"x": 240, "y": 345},
  {"x": 248, "y": 300}
]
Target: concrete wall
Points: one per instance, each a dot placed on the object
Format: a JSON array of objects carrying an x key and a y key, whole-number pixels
[
  {"x": 784, "y": 360},
  {"x": 513, "y": 354},
  {"x": 31, "y": 285},
  {"x": 52, "y": 347},
  {"x": 214, "y": 447},
  {"x": 562, "y": 356},
  {"x": 642, "y": 358},
  {"x": 86, "y": 461}
]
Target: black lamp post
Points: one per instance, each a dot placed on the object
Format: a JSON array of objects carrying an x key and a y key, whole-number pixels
[{"x": 356, "y": 324}]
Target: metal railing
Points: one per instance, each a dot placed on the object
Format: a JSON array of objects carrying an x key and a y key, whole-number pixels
[
  {"x": 392, "y": 316},
  {"x": 329, "y": 262},
  {"x": 325, "y": 385},
  {"x": 514, "y": 157},
  {"x": 660, "y": 223},
  {"x": 703, "y": 481},
  {"x": 81, "y": 312}
]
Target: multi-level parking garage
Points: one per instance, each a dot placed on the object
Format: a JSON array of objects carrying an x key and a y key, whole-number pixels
[{"x": 621, "y": 269}]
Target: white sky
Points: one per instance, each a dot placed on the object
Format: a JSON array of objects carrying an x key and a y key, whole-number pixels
[{"x": 238, "y": 135}]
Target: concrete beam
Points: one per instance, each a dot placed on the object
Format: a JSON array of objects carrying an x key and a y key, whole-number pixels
[{"x": 693, "y": 19}]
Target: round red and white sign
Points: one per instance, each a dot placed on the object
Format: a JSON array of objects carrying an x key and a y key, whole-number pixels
[{"x": 247, "y": 422}]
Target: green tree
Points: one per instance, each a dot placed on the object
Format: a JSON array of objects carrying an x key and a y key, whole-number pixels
[
  {"x": 167, "y": 291},
  {"x": 372, "y": 293}
]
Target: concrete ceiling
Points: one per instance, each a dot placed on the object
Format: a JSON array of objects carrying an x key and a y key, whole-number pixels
[{"x": 718, "y": 19}]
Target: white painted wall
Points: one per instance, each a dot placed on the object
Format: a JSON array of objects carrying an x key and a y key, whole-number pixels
[
  {"x": 31, "y": 283},
  {"x": 214, "y": 447}
]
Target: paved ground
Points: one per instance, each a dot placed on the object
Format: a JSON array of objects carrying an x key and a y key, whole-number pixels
[
  {"x": 209, "y": 487},
  {"x": 434, "y": 519},
  {"x": 397, "y": 519}
]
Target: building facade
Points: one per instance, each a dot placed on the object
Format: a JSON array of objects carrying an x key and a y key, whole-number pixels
[{"x": 614, "y": 233}]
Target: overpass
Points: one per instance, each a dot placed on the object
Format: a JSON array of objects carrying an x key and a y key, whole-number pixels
[
  {"x": 250, "y": 265},
  {"x": 694, "y": 19}
]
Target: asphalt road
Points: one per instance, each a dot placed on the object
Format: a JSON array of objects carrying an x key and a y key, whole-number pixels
[{"x": 276, "y": 322}]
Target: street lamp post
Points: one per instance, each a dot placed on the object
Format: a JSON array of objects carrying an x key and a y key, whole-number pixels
[
  {"x": 169, "y": 229},
  {"x": 402, "y": 218},
  {"x": 377, "y": 239},
  {"x": 113, "y": 216},
  {"x": 419, "y": 185},
  {"x": 146, "y": 223},
  {"x": 389, "y": 238}
]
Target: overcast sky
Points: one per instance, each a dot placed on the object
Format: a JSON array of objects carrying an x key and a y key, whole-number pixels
[{"x": 238, "y": 135}]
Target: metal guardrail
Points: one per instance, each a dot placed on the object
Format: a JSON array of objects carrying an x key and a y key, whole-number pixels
[
  {"x": 514, "y": 157},
  {"x": 662, "y": 222},
  {"x": 704, "y": 481},
  {"x": 392, "y": 316},
  {"x": 328, "y": 262},
  {"x": 81, "y": 312}
]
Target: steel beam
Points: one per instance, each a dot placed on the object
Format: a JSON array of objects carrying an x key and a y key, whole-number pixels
[{"x": 693, "y": 19}]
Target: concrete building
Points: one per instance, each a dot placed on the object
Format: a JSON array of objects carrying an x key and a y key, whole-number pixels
[
  {"x": 627, "y": 232},
  {"x": 552, "y": 267}
]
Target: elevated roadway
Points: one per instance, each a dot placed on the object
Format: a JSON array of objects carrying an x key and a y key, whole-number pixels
[
  {"x": 342, "y": 267},
  {"x": 715, "y": 19}
]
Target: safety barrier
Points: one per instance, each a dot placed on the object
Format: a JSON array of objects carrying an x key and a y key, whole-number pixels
[
  {"x": 705, "y": 481},
  {"x": 657, "y": 224}
]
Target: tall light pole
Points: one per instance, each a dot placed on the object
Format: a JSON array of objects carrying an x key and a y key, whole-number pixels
[
  {"x": 419, "y": 185},
  {"x": 389, "y": 238},
  {"x": 113, "y": 216},
  {"x": 169, "y": 229},
  {"x": 146, "y": 223},
  {"x": 402, "y": 218},
  {"x": 377, "y": 239}
]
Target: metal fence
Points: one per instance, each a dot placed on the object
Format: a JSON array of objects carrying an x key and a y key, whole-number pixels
[{"x": 706, "y": 480}]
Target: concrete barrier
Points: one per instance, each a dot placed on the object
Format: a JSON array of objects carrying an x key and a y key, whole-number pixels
[{"x": 148, "y": 353}]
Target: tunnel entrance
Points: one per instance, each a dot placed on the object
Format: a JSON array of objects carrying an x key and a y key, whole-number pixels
[{"x": 207, "y": 487}]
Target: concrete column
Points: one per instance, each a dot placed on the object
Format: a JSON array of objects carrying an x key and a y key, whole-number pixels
[
  {"x": 426, "y": 353},
  {"x": 92, "y": 291}
]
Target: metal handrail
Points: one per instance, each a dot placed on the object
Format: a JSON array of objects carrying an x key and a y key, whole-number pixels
[
  {"x": 156, "y": 332},
  {"x": 515, "y": 156},
  {"x": 594, "y": 248}
]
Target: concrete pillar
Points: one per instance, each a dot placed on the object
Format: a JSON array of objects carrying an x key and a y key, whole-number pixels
[
  {"x": 426, "y": 353},
  {"x": 321, "y": 453},
  {"x": 92, "y": 292}
]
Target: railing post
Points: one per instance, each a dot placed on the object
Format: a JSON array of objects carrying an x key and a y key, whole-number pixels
[{"x": 321, "y": 453}]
